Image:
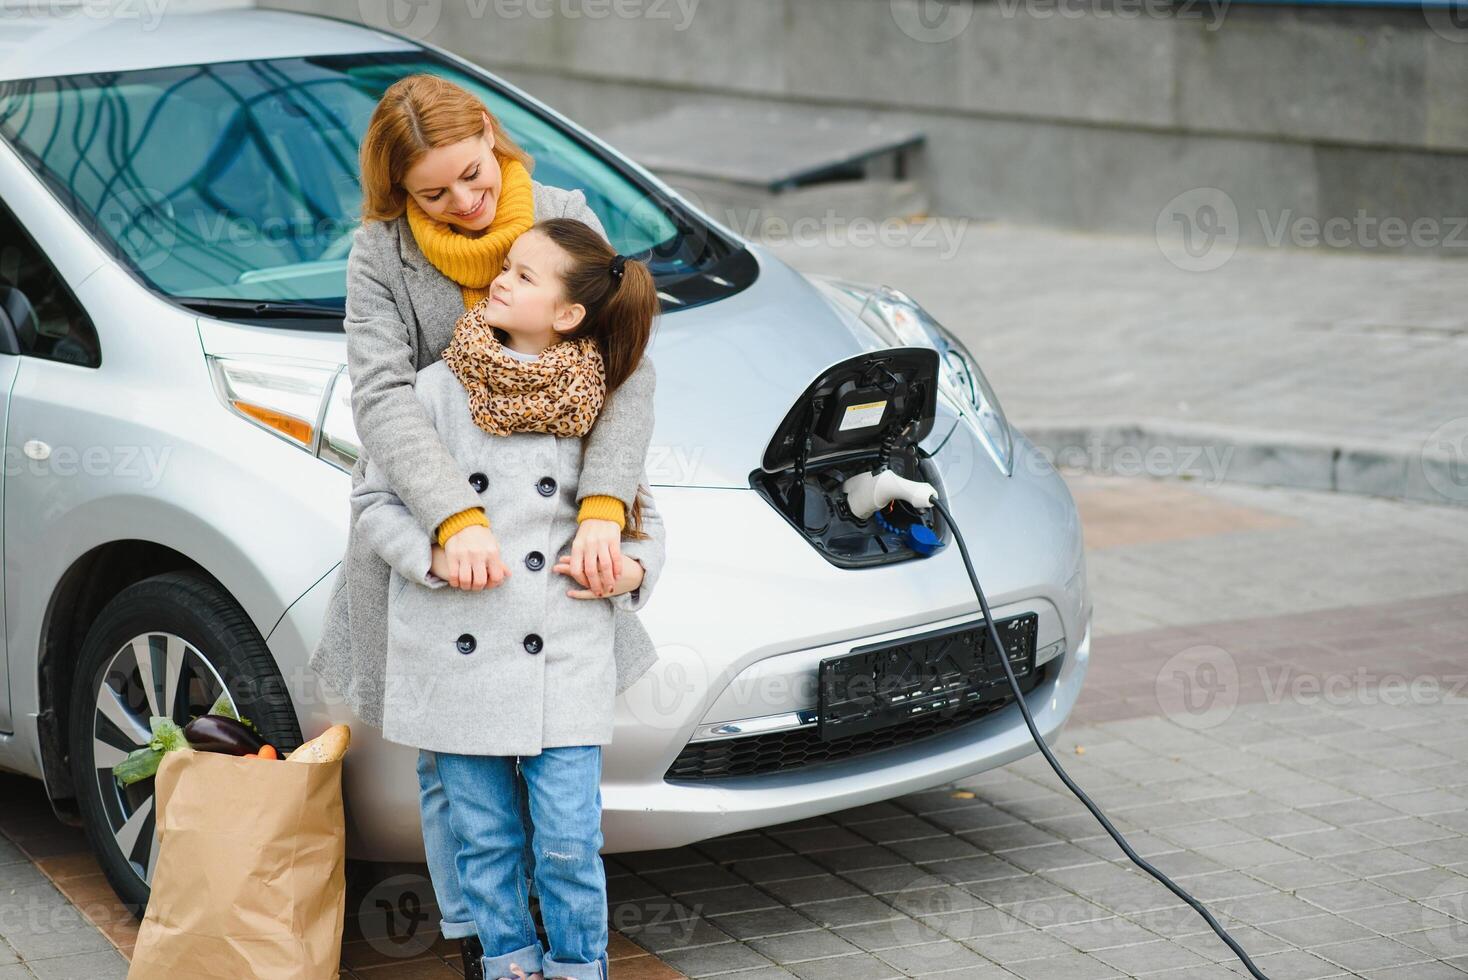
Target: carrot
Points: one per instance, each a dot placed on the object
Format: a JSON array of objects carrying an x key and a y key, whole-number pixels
[{"x": 267, "y": 751}]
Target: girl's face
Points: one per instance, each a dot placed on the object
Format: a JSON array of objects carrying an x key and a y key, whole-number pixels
[
  {"x": 458, "y": 183},
  {"x": 527, "y": 299}
]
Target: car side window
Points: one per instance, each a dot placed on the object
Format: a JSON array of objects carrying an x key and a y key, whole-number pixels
[{"x": 50, "y": 322}]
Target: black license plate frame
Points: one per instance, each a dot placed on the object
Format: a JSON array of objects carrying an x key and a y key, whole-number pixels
[{"x": 946, "y": 670}]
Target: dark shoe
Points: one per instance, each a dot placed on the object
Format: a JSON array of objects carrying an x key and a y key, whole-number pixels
[{"x": 473, "y": 954}]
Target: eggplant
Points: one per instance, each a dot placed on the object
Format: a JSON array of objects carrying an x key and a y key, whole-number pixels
[{"x": 215, "y": 733}]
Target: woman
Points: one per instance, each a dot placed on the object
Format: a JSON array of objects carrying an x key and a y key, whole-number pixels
[{"x": 445, "y": 191}]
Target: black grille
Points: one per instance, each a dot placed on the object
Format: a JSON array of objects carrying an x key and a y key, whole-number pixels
[{"x": 749, "y": 755}]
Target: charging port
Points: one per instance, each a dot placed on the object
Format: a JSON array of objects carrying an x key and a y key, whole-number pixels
[{"x": 863, "y": 414}]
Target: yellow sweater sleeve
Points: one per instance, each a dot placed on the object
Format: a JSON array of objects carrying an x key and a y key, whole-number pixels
[
  {"x": 603, "y": 508},
  {"x": 456, "y": 523},
  {"x": 598, "y": 506}
]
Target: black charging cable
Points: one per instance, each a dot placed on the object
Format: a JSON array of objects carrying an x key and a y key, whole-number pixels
[{"x": 1054, "y": 764}]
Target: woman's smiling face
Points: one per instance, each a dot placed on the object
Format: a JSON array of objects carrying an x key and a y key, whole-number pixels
[{"x": 458, "y": 183}]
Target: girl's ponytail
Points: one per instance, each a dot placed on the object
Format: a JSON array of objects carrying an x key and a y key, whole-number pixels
[
  {"x": 625, "y": 317},
  {"x": 621, "y": 301}
]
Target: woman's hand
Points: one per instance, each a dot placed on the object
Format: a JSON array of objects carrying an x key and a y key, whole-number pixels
[
  {"x": 631, "y": 578},
  {"x": 596, "y": 555},
  {"x": 471, "y": 559}
]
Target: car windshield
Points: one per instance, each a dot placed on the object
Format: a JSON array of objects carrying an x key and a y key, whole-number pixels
[{"x": 237, "y": 182}]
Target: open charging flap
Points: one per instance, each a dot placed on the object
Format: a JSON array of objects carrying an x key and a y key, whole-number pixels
[{"x": 864, "y": 413}]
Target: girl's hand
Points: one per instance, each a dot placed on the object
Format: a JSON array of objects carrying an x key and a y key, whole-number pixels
[
  {"x": 472, "y": 559},
  {"x": 630, "y": 578},
  {"x": 596, "y": 555}
]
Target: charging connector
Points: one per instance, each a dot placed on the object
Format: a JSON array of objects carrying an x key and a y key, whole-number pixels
[{"x": 867, "y": 493}]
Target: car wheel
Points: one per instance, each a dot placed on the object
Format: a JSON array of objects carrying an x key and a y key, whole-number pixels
[{"x": 168, "y": 645}]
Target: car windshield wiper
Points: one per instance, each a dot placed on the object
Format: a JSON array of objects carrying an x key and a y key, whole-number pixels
[{"x": 260, "y": 308}]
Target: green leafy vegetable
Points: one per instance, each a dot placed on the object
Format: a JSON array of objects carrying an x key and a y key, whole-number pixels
[
  {"x": 139, "y": 764},
  {"x": 142, "y": 763},
  {"x": 224, "y": 708}
]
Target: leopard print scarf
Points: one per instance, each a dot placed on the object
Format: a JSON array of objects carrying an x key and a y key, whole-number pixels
[{"x": 560, "y": 393}]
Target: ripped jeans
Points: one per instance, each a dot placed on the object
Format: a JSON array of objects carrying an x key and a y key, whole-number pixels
[{"x": 562, "y": 786}]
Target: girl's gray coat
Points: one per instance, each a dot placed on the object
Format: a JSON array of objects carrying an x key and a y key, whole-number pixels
[
  {"x": 520, "y": 667},
  {"x": 400, "y": 315}
]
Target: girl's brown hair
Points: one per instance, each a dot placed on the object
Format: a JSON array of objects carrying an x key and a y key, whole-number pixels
[
  {"x": 415, "y": 114},
  {"x": 619, "y": 313}
]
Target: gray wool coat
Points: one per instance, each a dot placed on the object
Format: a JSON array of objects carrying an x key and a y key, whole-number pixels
[
  {"x": 400, "y": 315},
  {"x": 520, "y": 667}
]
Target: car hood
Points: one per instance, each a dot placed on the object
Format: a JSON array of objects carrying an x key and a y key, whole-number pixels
[{"x": 727, "y": 372}]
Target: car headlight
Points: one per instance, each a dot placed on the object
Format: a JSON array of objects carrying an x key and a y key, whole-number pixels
[
  {"x": 306, "y": 403},
  {"x": 967, "y": 377},
  {"x": 900, "y": 320}
]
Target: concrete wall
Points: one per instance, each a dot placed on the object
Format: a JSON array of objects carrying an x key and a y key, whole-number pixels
[{"x": 1093, "y": 114}]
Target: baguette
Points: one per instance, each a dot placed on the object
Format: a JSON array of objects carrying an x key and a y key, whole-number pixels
[{"x": 329, "y": 746}]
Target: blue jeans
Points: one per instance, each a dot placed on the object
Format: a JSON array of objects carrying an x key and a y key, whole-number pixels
[
  {"x": 442, "y": 849},
  {"x": 562, "y": 786}
]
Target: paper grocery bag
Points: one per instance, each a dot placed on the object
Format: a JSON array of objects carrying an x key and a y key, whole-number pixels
[{"x": 250, "y": 879}]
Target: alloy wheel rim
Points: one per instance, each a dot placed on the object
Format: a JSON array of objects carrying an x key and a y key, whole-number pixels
[{"x": 154, "y": 673}]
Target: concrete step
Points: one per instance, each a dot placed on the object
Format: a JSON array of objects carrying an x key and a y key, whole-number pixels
[
  {"x": 764, "y": 168},
  {"x": 834, "y": 207}
]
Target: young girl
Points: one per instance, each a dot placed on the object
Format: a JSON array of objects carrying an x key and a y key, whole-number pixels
[{"x": 526, "y": 669}]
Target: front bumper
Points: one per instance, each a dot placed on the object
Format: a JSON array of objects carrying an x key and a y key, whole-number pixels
[{"x": 656, "y": 814}]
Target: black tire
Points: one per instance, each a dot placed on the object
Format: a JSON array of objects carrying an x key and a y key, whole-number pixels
[{"x": 204, "y": 643}]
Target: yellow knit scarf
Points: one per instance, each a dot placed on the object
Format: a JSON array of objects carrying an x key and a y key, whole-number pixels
[{"x": 474, "y": 262}]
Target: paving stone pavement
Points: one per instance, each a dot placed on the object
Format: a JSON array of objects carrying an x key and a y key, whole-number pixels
[
  {"x": 1281, "y": 725},
  {"x": 59, "y": 919},
  {"x": 1282, "y": 366}
]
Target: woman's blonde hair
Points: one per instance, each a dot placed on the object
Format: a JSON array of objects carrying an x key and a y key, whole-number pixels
[{"x": 415, "y": 114}]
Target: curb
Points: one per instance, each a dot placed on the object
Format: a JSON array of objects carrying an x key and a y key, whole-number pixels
[{"x": 1426, "y": 473}]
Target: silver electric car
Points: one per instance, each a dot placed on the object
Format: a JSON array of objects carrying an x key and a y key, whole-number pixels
[{"x": 176, "y": 206}]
